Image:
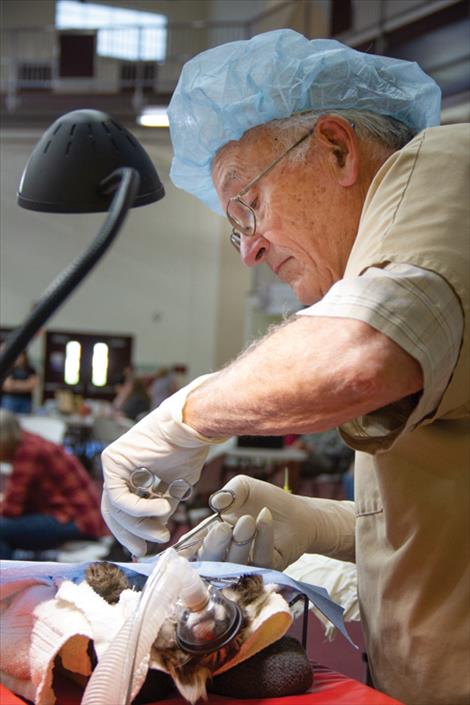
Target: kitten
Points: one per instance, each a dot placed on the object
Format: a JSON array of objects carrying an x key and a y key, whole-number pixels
[{"x": 190, "y": 672}]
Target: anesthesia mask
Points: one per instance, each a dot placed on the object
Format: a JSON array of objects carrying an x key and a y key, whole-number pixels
[{"x": 207, "y": 620}]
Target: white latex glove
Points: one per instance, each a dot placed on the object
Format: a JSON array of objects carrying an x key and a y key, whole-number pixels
[
  {"x": 170, "y": 449},
  {"x": 271, "y": 528}
]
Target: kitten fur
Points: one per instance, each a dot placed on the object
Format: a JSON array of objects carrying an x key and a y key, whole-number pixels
[
  {"x": 107, "y": 579},
  {"x": 190, "y": 672}
]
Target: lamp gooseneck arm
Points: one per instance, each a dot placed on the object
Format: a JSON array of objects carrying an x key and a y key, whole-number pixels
[{"x": 126, "y": 182}]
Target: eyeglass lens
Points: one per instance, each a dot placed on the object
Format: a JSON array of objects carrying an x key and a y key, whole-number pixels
[
  {"x": 235, "y": 240},
  {"x": 242, "y": 217}
]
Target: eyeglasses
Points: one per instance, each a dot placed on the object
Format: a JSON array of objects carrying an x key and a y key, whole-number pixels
[{"x": 240, "y": 215}]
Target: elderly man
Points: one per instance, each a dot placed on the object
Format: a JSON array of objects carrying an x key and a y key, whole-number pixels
[{"x": 331, "y": 170}]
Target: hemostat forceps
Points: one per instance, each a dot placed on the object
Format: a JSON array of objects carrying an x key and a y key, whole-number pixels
[{"x": 147, "y": 485}]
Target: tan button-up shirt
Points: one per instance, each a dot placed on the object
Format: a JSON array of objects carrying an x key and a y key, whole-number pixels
[{"x": 412, "y": 469}]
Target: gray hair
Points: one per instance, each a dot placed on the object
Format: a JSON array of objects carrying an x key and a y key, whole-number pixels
[
  {"x": 386, "y": 131},
  {"x": 10, "y": 431}
]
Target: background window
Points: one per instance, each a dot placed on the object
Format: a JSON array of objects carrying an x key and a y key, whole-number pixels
[
  {"x": 99, "y": 365},
  {"x": 73, "y": 353},
  {"x": 101, "y": 359},
  {"x": 121, "y": 33}
]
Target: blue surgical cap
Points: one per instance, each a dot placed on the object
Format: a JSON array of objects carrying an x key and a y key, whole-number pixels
[{"x": 225, "y": 91}]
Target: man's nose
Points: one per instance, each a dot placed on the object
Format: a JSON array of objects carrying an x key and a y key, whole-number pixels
[{"x": 253, "y": 250}]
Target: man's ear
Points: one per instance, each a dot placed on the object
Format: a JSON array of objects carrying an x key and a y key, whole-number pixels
[{"x": 337, "y": 136}]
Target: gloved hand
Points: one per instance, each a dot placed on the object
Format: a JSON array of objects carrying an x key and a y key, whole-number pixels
[
  {"x": 170, "y": 449},
  {"x": 270, "y": 528}
]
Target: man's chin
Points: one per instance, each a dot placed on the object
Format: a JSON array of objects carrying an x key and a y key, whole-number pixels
[{"x": 305, "y": 296}]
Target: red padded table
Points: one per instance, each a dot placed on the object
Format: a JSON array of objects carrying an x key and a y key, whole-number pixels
[{"x": 329, "y": 688}]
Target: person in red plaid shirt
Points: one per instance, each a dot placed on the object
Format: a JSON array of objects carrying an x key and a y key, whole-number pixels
[{"x": 49, "y": 497}]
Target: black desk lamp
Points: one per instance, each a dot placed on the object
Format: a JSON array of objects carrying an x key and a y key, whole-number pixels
[{"x": 84, "y": 163}]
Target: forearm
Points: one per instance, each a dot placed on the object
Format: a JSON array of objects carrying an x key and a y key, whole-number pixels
[
  {"x": 309, "y": 375},
  {"x": 19, "y": 385}
]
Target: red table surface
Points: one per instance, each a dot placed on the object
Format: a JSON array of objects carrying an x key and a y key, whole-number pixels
[{"x": 329, "y": 688}]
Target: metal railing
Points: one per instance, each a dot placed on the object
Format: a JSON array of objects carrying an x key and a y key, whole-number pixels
[{"x": 31, "y": 58}]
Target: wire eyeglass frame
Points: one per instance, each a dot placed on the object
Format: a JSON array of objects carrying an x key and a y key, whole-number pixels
[{"x": 249, "y": 229}]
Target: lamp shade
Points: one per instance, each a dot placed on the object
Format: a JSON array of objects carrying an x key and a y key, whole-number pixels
[{"x": 74, "y": 156}]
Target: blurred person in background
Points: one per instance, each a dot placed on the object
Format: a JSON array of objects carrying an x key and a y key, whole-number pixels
[
  {"x": 327, "y": 453},
  {"x": 19, "y": 386},
  {"x": 137, "y": 402},
  {"x": 163, "y": 386},
  {"x": 123, "y": 388},
  {"x": 48, "y": 499}
]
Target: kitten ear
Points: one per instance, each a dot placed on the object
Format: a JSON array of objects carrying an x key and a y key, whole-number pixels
[
  {"x": 246, "y": 590},
  {"x": 107, "y": 580}
]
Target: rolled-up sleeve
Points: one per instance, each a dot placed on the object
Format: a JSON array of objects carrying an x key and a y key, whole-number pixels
[{"x": 418, "y": 310}]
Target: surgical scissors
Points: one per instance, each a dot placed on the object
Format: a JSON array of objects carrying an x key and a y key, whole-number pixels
[{"x": 225, "y": 499}]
